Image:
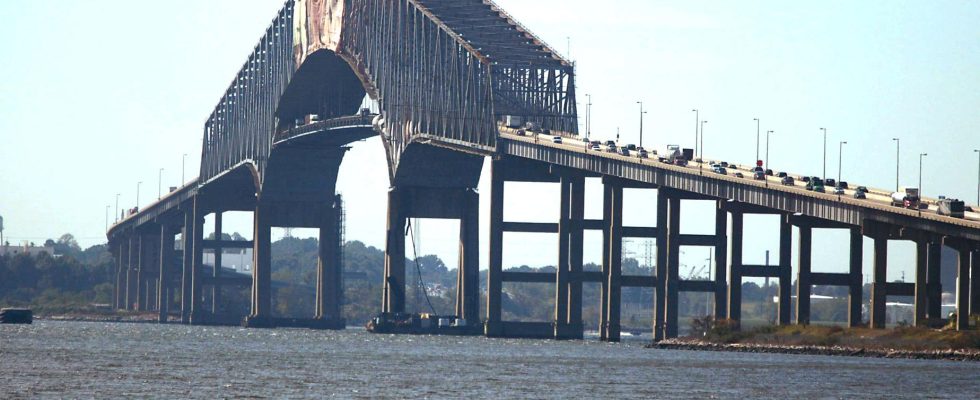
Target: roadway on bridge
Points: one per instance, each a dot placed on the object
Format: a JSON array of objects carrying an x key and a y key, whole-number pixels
[{"x": 876, "y": 198}]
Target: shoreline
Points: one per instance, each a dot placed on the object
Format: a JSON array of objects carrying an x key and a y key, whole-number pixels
[{"x": 698, "y": 345}]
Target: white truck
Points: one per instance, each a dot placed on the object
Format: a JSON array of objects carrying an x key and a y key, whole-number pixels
[
  {"x": 907, "y": 198},
  {"x": 673, "y": 154}
]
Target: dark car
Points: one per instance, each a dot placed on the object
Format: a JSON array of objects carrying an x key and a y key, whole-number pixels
[
  {"x": 739, "y": 175},
  {"x": 768, "y": 172},
  {"x": 721, "y": 170},
  {"x": 804, "y": 179},
  {"x": 782, "y": 175},
  {"x": 859, "y": 195},
  {"x": 724, "y": 164},
  {"x": 788, "y": 181},
  {"x": 631, "y": 146},
  {"x": 842, "y": 184},
  {"x": 624, "y": 151},
  {"x": 862, "y": 189},
  {"x": 642, "y": 153},
  {"x": 830, "y": 182},
  {"x": 521, "y": 132},
  {"x": 759, "y": 176}
]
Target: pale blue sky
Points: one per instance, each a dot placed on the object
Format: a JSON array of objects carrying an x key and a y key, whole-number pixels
[{"x": 99, "y": 95}]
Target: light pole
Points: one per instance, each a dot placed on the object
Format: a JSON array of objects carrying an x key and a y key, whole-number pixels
[
  {"x": 978, "y": 177},
  {"x": 920, "y": 179},
  {"x": 641, "y": 121},
  {"x": 117, "y": 207},
  {"x": 107, "y": 217},
  {"x": 588, "y": 118},
  {"x": 840, "y": 161},
  {"x": 702, "y": 140},
  {"x": 697, "y": 119},
  {"x": 160, "y": 184},
  {"x": 898, "y": 145},
  {"x": 756, "y": 140},
  {"x": 764, "y": 175},
  {"x": 138, "y": 194},
  {"x": 824, "y": 176},
  {"x": 183, "y": 166}
]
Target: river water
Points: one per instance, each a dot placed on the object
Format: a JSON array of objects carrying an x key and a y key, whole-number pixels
[{"x": 117, "y": 360}]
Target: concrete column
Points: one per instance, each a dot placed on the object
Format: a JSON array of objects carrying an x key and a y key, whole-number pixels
[
  {"x": 856, "y": 289},
  {"x": 803, "y": 276},
  {"x": 561, "y": 274},
  {"x": 921, "y": 283},
  {"x": 607, "y": 200},
  {"x": 672, "y": 283},
  {"x": 735, "y": 270},
  {"x": 216, "y": 287},
  {"x": 576, "y": 242},
  {"x": 143, "y": 266},
  {"x": 785, "y": 270},
  {"x": 963, "y": 290},
  {"x": 975, "y": 284},
  {"x": 329, "y": 284},
  {"x": 468, "y": 291},
  {"x": 660, "y": 297},
  {"x": 166, "y": 261},
  {"x": 121, "y": 259},
  {"x": 393, "y": 298},
  {"x": 261, "y": 267},
  {"x": 878, "y": 286},
  {"x": 495, "y": 268},
  {"x": 131, "y": 278},
  {"x": 187, "y": 237},
  {"x": 614, "y": 275},
  {"x": 934, "y": 284},
  {"x": 721, "y": 261},
  {"x": 197, "y": 262}
]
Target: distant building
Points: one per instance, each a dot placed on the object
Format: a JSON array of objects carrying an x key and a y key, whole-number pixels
[
  {"x": 239, "y": 260},
  {"x": 26, "y": 248}
]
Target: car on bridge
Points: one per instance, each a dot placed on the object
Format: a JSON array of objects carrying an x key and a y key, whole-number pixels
[
  {"x": 624, "y": 151},
  {"x": 788, "y": 181},
  {"x": 739, "y": 175},
  {"x": 610, "y": 146},
  {"x": 556, "y": 139},
  {"x": 838, "y": 190},
  {"x": 830, "y": 182},
  {"x": 842, "y": 185},
  {"x": 782, "y": 174},
  {"x": 718, "y": 169},
  {"x": 759, "y": 175},
  {"x": 596, "y": 145},
  {"x": 815, "y": 184},
  {"x": 861, "y": 192},
  {"x": 642, "y": 153}
]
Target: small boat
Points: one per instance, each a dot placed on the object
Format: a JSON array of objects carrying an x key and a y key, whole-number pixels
[{"x": 16, "y": 316}]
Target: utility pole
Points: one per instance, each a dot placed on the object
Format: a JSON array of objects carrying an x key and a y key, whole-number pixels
[
  {"x": 588, "y": 118},
  {"x": 768, "y": 298},
  {"x": 183, "y": 167},
  {"x": 978, "y": 177},
  {"x": 117, "y": 207},
  {"x": 106, "y": 218},
  {"x": 697, "y": 121},
  {"x": 921, "y": 192},
  {"x": 160, "y": 184},
  {"x": 138, "y": 194},
  {"x": 756, "y": 139},
  {"x": 764, "y": 175},
  {"x": 840, "y": 161}
]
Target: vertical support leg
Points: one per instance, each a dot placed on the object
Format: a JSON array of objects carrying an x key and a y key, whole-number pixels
[
  {"x": 121, "y": 259},
  {"x": 141, "y": 263},
  {"x": 393, "y": 299},
  {"x": 607, "y": 200},
  {"x": 660, "y": 298},
  {"x": 921, "y": 282},
  {"x": 856, "y": 289},
  {"x": 615, "y": 270},
  {"x": 803, "y": 276},
  {"x": 261, "y": 312},
  {"x": 495, "y": 269},
  {"x": 975, "y": 283},
  {"x": 561, "y": 273},
  {"x": 963, "y": 290},
  {"x": 216, "y": 288},
  {"x": 166, "y": 261},
  {"x": 878, "y": 286},
  {"x": 328, "y": 286},
  {"x": 934, "y": 286},
  {"x": 197, "y": 264},
  {"x": 672, "y": 283},
  {"x": 131, "y": 282},
  {"x": 735, "y": 270},
  {"x": 785, "y": 270},
  {"x": 468, "y": 302},
  {"x": 188, "y": 259},
  {"x": 721, "y": 261},
  {"x": 576, "y": 241}
]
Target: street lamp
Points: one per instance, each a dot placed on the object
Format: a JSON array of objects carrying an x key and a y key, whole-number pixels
[
  {"x": 117, "y": 207},
  {"x": 183, "y": 165},
  {"x": 138, "y": 194},
  {"x": 588, "y": 118},
  {"x": 840, "y": 161},
  {"x": 898, "y": 145},
  {"x": 697, "y": 119},
  {"x": 641, "y": 121},
  {"x": 920, "y": 178},
  {"x": 978, "y": 176},
  {"x": 824, "y": 153},
  {"x": 160, "y": 184},
  {"x": 702, "y": 139},
  {"x": 107, "y": 217},
  {"x": 756, "y": 139},
  {"x": 767, "y": 158}
]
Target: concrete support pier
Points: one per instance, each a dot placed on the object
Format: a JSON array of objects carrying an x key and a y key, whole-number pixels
[
  {"x": 612, "y": 268},
  {"x": 166, "y": 262},
  {"x": 330, "y": 284},
  {"x": 261, "y": 314}
]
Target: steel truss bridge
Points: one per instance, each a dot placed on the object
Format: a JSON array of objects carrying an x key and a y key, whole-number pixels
[{"x": 445, "y": 75}]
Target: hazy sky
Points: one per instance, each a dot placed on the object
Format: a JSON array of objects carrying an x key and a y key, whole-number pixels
[{"x": 96, "y": 96}]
